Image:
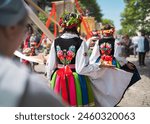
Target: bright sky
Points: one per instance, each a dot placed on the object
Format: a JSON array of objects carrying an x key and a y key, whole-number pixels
[{"x": 112, "y": 9}]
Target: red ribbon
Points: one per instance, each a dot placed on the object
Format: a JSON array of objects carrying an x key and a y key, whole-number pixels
[{"x": 63, "y": 73}]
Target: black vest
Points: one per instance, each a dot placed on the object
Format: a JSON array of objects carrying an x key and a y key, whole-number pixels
[
  {"x": 110, "y": 41},
  {"x": 65, "y": 44}
]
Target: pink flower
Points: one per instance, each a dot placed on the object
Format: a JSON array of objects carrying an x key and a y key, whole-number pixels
[
  {"x": 59, "y": 53},
  {"x": 70, "y": 53},
  {"x": 60, "y": 56}
]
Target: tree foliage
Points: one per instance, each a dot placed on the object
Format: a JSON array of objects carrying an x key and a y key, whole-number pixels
[
  {"x": 107, "y": 21},
  {"x": 93, "y": 7},
  {"x": 136, "y": 16}
]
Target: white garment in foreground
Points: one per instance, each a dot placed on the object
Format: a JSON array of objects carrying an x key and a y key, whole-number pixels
[
  {"x": 12, "y": 82},
  {"x": 18, "y": 87},
  {"x": 109, "y": 87}
]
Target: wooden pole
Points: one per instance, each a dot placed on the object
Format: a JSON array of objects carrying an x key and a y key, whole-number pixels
[
  {"x": 39, "y": 23},
  {"x": 42, "y": 11}
]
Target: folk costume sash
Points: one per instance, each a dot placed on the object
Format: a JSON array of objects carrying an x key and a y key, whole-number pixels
[
  {"x": 84, "y": 90},
  {"x": 64, "y": 76},
  {"x": 90, "y": 92},
  {"x": 78, "y": 89}
]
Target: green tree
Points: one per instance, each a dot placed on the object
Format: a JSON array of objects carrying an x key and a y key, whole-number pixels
[
  {"x": 91, "y": 5},
  {"x": 136, "y": 16},
  {"x": 107, "y": 21},
  {"x": 93, "y": 8},
  {"x": 42, "y": 17}
]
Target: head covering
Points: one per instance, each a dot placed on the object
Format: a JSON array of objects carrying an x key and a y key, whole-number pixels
[
  {"x": 107, "y": 30},
  {"x": 11, "y": 12},
  {"x": 94, "y": 33},
  {"x": 70, "y": 20}
]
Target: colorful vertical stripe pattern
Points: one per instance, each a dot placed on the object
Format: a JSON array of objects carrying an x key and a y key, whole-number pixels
[{"x": 74, "y": 89}]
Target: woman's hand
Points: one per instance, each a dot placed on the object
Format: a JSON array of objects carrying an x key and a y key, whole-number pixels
[{"x": 92, "y": 41}]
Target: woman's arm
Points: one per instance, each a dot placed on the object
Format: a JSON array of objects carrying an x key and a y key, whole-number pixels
[
  {"x": 82, "y": 63},
  {"x": 51, "y": 62}
]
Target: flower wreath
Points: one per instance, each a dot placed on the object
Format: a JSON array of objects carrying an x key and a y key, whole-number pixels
[
  {"x": 108, "y": 32},
  {"x": 70, "y": 20}
]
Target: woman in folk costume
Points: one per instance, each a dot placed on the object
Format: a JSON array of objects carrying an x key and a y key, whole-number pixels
[
  {"x": 112, "y": 82},
  {"x": 68, "y": 62}
]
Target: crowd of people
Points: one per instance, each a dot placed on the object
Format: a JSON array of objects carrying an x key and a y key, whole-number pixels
[
  {"x": 81, "y": 72},
  {"x": 136, "y": 45}
]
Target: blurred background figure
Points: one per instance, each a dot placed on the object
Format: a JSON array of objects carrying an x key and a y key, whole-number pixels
[
  {"x": 28, "y": 34},
  {"x": 126, "y": 44},
  {"x": 147, "y": 44},
  {"x": 134, "y": 45},
  {"x": 142, "y": 48},
  {"x": 46, "y": 43}
]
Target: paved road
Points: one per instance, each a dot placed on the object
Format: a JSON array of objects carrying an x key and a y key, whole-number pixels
[{"x": 139, "y": 93}]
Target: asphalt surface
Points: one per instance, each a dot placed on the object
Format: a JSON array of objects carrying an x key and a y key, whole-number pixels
[{"x": 137, "y": 95}]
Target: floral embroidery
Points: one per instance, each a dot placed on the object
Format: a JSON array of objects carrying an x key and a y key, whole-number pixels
[
  {"x": 106, "y": 49},
  {"x": 64, "y": 55},
  {"x": 106, "y": 59}
]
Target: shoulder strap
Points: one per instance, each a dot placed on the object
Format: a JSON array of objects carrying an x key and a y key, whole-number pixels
[
  {"x": 13, "y": 81},
  {"x": 79, "y": 40}
]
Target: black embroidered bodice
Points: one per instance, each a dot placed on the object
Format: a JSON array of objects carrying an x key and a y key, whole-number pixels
[
  {"x": 66, "y": 50},
  {"x": 107, "y": 44}
]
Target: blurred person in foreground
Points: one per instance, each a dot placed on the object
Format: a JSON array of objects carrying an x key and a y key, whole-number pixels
[{"x": 18, "y": 87}]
